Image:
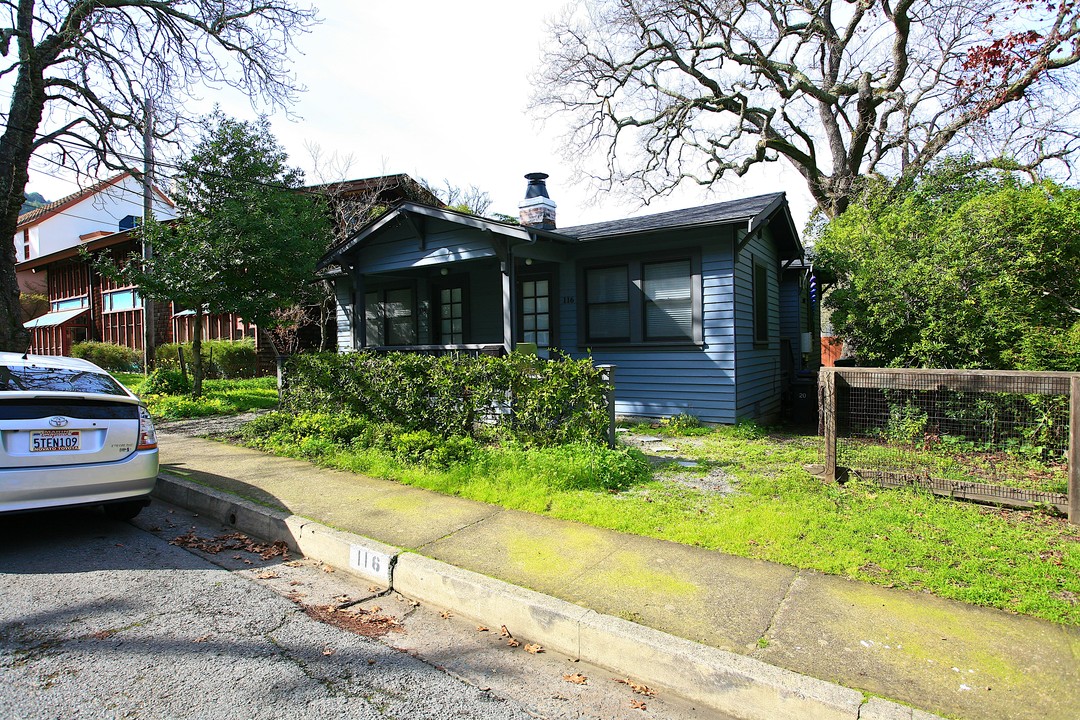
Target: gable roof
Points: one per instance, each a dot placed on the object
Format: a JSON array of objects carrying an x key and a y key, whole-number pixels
[
  {"x": 408, "y": 210},
  {"x": 56, "y": 207},
  {"x": 755, "y": 212}
]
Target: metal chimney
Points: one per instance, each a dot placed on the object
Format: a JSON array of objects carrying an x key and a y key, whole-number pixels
[{"x": 537, "y": 209}]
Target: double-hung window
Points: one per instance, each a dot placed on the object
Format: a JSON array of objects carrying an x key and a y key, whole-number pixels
[{"x": 653, "y": 300}]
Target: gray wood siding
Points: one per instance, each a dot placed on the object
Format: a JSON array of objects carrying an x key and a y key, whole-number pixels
[
  {"x": 343, "y": 311},
  {"x": 661, "y": 382},
  {"x": 391, "y": 252},
  {"x": 758, "y": 381}
]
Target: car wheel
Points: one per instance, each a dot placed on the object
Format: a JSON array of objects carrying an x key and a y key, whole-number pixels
[{"x": 124, "y": 510}]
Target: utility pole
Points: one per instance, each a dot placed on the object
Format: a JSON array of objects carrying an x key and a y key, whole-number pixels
[{"x": 149, "y": 337}]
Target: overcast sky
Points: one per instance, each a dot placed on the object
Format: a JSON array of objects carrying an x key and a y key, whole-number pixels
[{"x": 439, "y": 90}]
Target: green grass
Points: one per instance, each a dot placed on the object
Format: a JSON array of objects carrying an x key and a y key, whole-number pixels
[
  {"x": 1019, "y": 561},
  {"x": 220, "y": 397}
]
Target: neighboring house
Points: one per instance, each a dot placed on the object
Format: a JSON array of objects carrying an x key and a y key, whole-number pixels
[
  {"x": 701, "y": 310},
  {"x": 85, "y": 305},
  {"x": 95, "y": 211}
]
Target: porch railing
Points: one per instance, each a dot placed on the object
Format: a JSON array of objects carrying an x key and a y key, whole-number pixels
[{"x": 470, "y": 349}]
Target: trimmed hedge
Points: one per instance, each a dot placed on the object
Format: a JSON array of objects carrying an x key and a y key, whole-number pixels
[
  {"x": 115, "y": 358},
  {"x": 222, "y": 359},
  {"x": 538, "y": 402}
]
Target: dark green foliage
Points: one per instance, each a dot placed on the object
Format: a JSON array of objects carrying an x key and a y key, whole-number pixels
[
  {"x": 537, "y": 402},
  {"x": 165, "y": 382},
  {"x": 223, "y": 359},
  {"x": 969, "y": 270},
  {"x": 115, "y": 358},
  {"x": 247, "y": 238}
]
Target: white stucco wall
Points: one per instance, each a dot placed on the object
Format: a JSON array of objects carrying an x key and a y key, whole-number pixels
[{"x": 101, "y": 211}]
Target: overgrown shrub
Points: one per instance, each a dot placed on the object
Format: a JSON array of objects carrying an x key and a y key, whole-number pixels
[
  {"x": 225, "y": 359},
  {"x": 115, "y": 358},
  {"x": 538, "y": 402},
  {"x": 165, "y": 382}
]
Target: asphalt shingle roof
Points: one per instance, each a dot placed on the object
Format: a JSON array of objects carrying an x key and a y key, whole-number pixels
[{"x": 718, "y": 213}]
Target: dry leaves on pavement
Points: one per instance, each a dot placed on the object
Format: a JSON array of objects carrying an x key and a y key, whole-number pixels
[
  {"x": 576, "y": 678},
  {"x": 639, "y": 688},
  {"x": 232, "y": 541},
  {"x": 533, "y": 648}
]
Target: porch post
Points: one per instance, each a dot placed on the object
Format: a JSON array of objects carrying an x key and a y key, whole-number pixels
[
  {"x": 507, "y": 303},
  {"x": 359, "y": 314}
]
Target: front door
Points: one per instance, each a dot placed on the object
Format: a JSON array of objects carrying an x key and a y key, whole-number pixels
[{"x": 536, "y": 309}]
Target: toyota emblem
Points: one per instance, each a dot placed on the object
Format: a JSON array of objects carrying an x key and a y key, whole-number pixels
[{"x": 58, "y": 421}]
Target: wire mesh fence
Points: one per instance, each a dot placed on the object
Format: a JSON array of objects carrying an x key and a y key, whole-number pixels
[{"x": 1001, "y": 437}]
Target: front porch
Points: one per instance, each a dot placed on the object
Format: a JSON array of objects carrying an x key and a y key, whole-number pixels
[{"x": 426, "y": 284}]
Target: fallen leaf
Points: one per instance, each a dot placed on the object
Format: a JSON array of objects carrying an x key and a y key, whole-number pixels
[
  {"x": 267, "y": 575},
  {"x": 294, "y": 563},
  {"x": 294, "y": 583},
  {"x": 533, "y": 648},
  {"x": 202, "y": 638},
  {"x": 576, "y": 678},
  {"x": 512, "y": 642},
  {"x": 481, "y": 628},
  {"x": 370, "y": 662},
  {"x": 414, "y": 603},
  {"x": 446, "y": 614},
  {"x": 374, "y": 588},
  {"x": 372, "y": 609},
  {"x": 504, "y": 632},
  {"x": 342, "y": 599},
  {"x": 637, "y": 705},
  {"x": 639, "y": 688},
  {"x": 328, "y": 651},
  {"x": 327, "y": 569}
]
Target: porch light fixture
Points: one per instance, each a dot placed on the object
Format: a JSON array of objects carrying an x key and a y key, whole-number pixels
[
  {"x": 444, "y": 271},
  {"x": 528, "y": 261}
]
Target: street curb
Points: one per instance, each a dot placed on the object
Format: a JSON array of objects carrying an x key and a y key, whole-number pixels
[{"x": 734, "y": 684}]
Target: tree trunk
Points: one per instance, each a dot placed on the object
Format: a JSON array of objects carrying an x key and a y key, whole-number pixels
[
  {"x": 196, "y": 353},
  {"x": 16, "y": 147}
]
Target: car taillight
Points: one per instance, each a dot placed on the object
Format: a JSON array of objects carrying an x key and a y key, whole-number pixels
[{"x": 147, "y": 435}]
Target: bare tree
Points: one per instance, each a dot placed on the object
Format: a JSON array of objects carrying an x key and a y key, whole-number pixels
[
  {"x": 692, "y": 90},
  {"x": 469, "y": 199},
  {"x": 82, "y": 71}
]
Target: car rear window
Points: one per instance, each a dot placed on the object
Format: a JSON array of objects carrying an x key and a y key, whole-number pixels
[{"x": 50, "y": 379}]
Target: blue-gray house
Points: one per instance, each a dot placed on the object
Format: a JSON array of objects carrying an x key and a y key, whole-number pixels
[{"x": 703, "y": 311}]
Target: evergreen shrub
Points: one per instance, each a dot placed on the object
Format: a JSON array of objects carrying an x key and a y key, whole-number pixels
[
  {"x": 533, "y": 401},
  {"x": 111, "y": 357},
  {"x": 223, "y": 359}
]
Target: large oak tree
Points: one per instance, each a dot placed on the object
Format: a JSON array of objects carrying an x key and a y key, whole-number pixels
[
  {"x": 692, "y": 90},
  {"x": 80, "y": 72}
]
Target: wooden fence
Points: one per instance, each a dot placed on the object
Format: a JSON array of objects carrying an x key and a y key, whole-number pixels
[{"x": 957, "y": 433}]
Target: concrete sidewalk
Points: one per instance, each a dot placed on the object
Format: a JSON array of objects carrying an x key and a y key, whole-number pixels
[{"x": 942, "y": 656}]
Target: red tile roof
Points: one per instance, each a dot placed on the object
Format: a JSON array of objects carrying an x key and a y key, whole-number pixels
[{"x": 44, "y": 212}]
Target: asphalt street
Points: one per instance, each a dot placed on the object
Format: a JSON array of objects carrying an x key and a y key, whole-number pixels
[{"x": 103, "y": 619}]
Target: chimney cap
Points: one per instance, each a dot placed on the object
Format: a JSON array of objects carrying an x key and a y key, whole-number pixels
[{"x": 537, "y": 187}]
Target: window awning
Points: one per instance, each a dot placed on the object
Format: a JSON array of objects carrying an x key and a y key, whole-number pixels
[{"x": 54, "y": 318}]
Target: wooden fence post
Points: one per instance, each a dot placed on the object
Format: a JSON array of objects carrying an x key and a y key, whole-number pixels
[
  {"x": 828, "y": 410},
  {"x": 609, "y": 394},
  {"x": 1074, "y": 450}
]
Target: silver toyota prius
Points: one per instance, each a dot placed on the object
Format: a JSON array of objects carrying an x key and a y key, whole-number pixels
[{"x": 71, "y": 434}]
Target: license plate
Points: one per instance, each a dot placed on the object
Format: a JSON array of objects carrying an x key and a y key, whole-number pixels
[{"x": 55, "y": 440}]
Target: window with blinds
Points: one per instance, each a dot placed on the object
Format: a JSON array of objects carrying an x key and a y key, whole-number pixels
[
  {"x": 390, "y": 317},
  {"x": 655, "y": 300},
  {"x": 669, "y": 307},
  {"x": 608, "y": 303}
]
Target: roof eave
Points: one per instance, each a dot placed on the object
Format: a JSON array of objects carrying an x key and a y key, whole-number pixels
[{"x": 519, "y": 232}]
